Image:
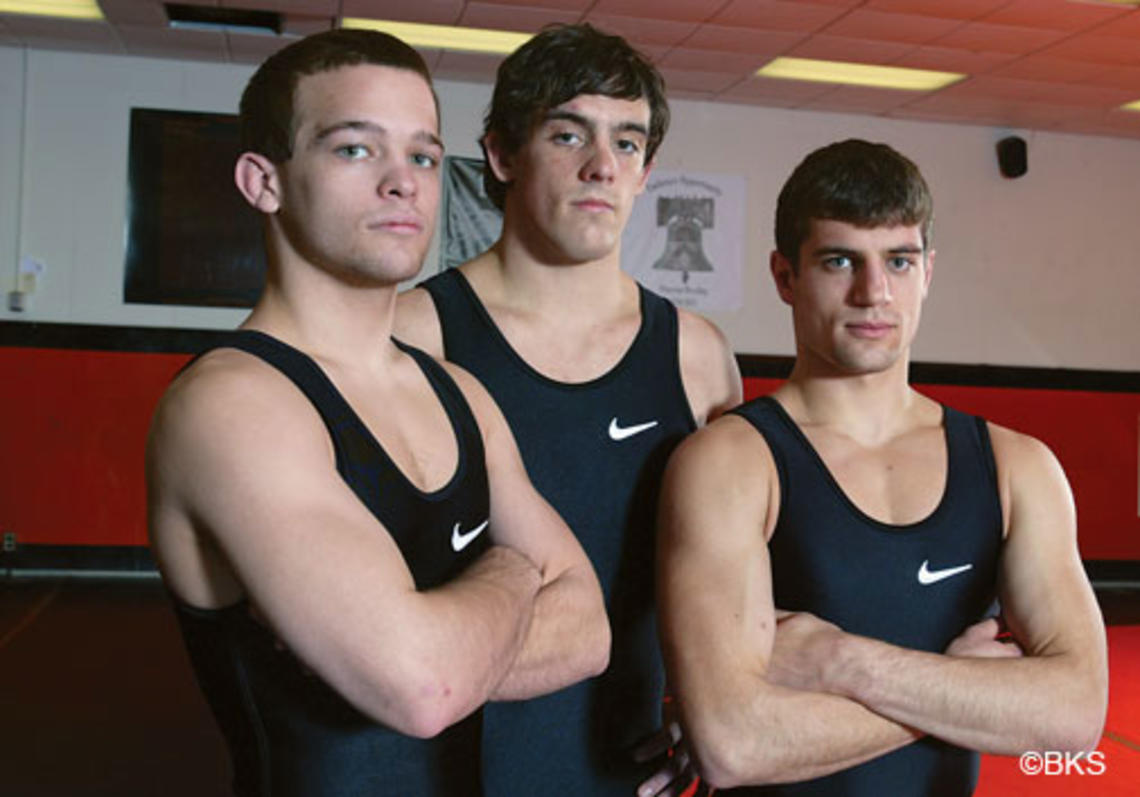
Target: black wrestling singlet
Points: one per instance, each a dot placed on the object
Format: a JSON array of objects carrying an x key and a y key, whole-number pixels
[
  {"x": 917, "y": 586},
  {"x": 596, "y": 452},
  {"x": 288, "y": 733}
]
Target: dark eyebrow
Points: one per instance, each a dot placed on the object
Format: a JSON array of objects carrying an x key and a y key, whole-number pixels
[
  {"x": 371, "y": 127},
  {"x": 578, "y": 119},
  {"x": 906, "y": 249}
]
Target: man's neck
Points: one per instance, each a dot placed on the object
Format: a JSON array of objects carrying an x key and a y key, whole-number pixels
[
  {"x": 332, "y": 321},
  {"x": 508, "y": 277},
  {"x": 871, "y": 408}
]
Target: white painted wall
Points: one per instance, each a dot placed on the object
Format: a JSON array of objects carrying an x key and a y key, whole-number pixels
[{"x": 1039, "y": 271}]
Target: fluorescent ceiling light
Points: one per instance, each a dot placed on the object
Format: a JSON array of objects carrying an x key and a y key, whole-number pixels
[
  {"x": 68, "y": 9},
  {"x": 444, "y": 37},
  {"x": 885, "y": 77},
  {"x": 1131, "y": 106}
]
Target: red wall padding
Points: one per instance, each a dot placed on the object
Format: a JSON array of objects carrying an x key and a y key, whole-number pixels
[
  {"x": 73, "y": 427},
  {"x": 1095, "y": 435}
]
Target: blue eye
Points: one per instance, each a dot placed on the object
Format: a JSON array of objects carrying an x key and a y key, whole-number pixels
[
  {"x": 425, "y": 160},
  {"x": 837, "y": 262},
  {"x": 901, "y": 263},
  {"x": 352, "y": 151}
]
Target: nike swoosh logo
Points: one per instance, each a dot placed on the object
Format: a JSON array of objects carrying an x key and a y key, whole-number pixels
[
  {"x": 927, "y": 577},
  {"x": 622, "y": 432},
  {"x": 459, "y": 541}
]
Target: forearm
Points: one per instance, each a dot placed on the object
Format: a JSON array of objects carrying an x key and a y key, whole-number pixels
[
  {"x": 473, "y": 629},
  {"x": 1003, "y": 706},
  {"x": 783, "y": 736},
  {"x": 568, "y": 639}
]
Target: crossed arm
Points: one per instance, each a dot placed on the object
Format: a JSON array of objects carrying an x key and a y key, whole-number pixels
[
  {"x": 245, "y": 500},
  {"x": 819, "y": 700}
]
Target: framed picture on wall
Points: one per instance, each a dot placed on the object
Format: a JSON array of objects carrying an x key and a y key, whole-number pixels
[
  {"x": 469, "y": 221},
  {"x": 191, "y": 238}
]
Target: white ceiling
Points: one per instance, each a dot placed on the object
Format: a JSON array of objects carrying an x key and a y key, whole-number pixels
[{"x": 1064, "y": 65}]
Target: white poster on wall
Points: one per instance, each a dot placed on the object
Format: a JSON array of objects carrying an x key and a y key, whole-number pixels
[{"x": 685, "y": 239}]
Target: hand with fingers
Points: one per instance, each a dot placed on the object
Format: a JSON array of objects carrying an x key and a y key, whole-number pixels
[{"x": 677, "y": 775}]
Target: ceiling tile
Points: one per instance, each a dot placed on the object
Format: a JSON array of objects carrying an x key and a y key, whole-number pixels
[
  {"x": 435, "y": 12},
  {"x": 778, "y": 15},
  {"x": 693, "y": 80},
  {"x": 857, "y": 99},
  {"x": 313, "y": 8},
  {"x": 674, "y": 10},
  {"x": 947, "y": 9},
  {"x": 1055, "y": 14},
  {"x": 1083, "y": 96},
  {"x": 1124, "y": 25},
  {"x": 169, "y": 43},
  {"x": 1047, "y": 68},
  {"x": 1113, "y": 50},
  {"x": 882, "y": 26},
  {"x": 87, "y": 36},
  {"x": 786, "y": 93},
  {"x": 837, "y": 48},
  {"x": 248, "y": 49},
  {"x": 467, "y": 66},
  {"x": 740, "y": 64},
  {"x": 995, "y": 88},
  {"x": 644, "y": 31},
  {"x": 980, "y": 36},
  {"x": 578, "y": 6},
  {"x": 1121, "y": 77},
  {"x": 499, "y": 17},
  {"x": 946, "y": 59},
  {"x": 133, "y": 12},
  {"x": 765, "y": 44}
]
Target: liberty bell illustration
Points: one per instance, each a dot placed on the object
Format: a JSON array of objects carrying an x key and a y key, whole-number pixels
[{"x": 685, "y": 219}]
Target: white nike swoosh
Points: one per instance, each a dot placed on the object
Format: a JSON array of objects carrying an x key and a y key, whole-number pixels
[
  {"x": 622, "y": 432},
  {"x": 927, "y": 577},
  {"x": 461, "y": 541}
]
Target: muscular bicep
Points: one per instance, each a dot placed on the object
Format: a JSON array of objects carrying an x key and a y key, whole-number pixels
[
  {"x": 244, "y": 462},
  {"x": 1046, "y": 597},
  {"x": 714, "y": 585}
]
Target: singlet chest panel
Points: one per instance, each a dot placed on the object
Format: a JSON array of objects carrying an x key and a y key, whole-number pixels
[
  {"x": 891, "y": 582},
  {"x": 422, "y": 523},
  {"x": 596, "y": 451},
  {"x": 289, "y": 733},
  {"x": 916, "y": 585},
  {"x": 900, "y": 484}
]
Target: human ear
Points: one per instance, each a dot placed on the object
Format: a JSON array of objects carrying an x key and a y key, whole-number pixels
[
  {"x": 783, "y": 273},
  {"x": 256, "y": 178},
  {"x": 498, "y": 159}
]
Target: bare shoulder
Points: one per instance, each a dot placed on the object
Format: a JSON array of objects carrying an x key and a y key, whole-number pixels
[
  {"x": 229, "y": 406},
  {"x": 1023, "y": 456},
  {"x": 728, "y": 456},
  {"x": 708, "y": 367},
  {"x": 417, "y": 322}
]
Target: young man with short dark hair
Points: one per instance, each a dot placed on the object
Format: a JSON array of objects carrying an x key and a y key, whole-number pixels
[
  {"x": 828, "y": 553},
  {"x": 345, "y": 525}
]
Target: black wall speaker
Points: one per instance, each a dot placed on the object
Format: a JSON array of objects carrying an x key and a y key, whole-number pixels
[{"x": 1012, "y": 158}]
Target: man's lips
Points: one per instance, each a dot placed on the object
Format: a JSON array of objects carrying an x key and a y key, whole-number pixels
[
  {"x": 870, "y": 329},
  {"x": 593, "y": 204},
  {"x": 405, "y": 225}
]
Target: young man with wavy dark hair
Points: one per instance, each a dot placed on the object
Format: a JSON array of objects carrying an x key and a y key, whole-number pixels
[{"x": 598, "y": 377}]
